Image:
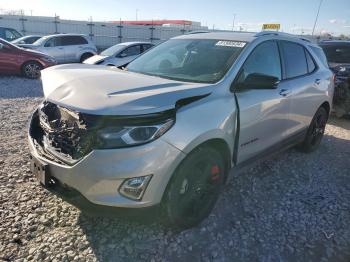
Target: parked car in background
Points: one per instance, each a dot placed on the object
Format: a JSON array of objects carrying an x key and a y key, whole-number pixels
[
  {"x": 9, "y": 34},
  {"x": 19, "y": 61},
  {"x": 120, "y": 54},
  {"x": 28, "y": 39},
  {"x": 338, "y": 56},
  {"x": 65, "y": 48},
  {"x": 167, "y": 134}
]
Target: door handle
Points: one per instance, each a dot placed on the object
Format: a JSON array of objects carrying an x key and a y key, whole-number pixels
[
  {"x": 285, "y": 92},
  {"x": 318, "y": 81}
]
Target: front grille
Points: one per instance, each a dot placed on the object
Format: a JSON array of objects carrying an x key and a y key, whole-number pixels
[{"x": 62, "y": 133}]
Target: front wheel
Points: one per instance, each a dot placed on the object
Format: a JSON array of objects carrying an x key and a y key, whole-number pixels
[
  {"x": 31, "y": 69},
  {"x": 315, "y": 132},
  {"x": 85, "y": 56},
  {"x": 194, "y": 188}
]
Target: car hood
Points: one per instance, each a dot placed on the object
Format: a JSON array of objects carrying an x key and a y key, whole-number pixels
[
  {"x": 32, "y": 52},
  {"x": 95, "y": 59},
  {"x": 103, "y": 90}
]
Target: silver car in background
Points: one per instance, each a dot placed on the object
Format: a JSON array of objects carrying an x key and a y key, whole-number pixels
[
  {"x": 120, "y": 54},
  {"x": 28, "y": 39},
  {"x": 167, "y": 130},
  {"x": 65, "y": 48}
]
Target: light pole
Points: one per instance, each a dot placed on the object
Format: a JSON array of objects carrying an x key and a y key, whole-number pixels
[
  {"x": 318, "y": 12},
  {"x": 233, "y": 22},
  {"x": 137, "y": 10}
]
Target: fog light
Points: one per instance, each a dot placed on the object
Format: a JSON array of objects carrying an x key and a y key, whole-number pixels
[{"x": 135, "y": 187}]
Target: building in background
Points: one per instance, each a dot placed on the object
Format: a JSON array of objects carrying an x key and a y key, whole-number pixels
[{"x": 189, "y": 25}]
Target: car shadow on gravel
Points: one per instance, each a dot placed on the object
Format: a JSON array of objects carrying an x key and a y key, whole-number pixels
[
  {"x": 17, "y": 87},
  {"x": 265, "y": 213},
  {"x": 343, "y": 122}
]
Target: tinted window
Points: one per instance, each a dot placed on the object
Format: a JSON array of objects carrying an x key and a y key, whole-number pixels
[
  {"x": 51, "y": 42},
  {"x": 310, "y": 62},
  {"x": 337, "y": 53},
  {"x": 145, "y": 47},
  {"x": 264, "y": 60},
  {"x": 133, "y": 50},
  {"x": 10, "y": 35},
  {"x": 31, "y": 40},
  {"x": 73, "y": 40},
  {"x": 294, "y": 59}
]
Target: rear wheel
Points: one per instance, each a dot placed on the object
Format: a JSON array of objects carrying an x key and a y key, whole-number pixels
[
  {"x": 194, "y": 188},
  {"x": 85, "y": 56},
  {"x": 31, "y": 69},
  {"x": 315, "y": 132}
]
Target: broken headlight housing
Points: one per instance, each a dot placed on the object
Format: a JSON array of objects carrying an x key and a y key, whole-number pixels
[{"x": 116, "y": 137}]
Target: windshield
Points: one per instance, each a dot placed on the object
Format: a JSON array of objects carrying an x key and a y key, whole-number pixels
[
  {"x": 190, "y": 60},
  {"x": 2, "y": 41},
  {"x": 337, "y": 53},
  {"x": 113, "y": 50}
]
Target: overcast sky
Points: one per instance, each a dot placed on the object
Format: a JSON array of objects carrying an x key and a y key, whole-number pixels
[{"x": 293, "y": 15}]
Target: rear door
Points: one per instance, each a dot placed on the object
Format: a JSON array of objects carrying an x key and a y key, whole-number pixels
[
  {"x": 264, "y": 110},
  {"x": 53, "y": 47},
  {"x": 303, "y": 79},
  {"x": 73, "y": 46}
]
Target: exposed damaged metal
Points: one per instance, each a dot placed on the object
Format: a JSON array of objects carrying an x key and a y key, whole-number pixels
[{"x": 65, "y": 136}]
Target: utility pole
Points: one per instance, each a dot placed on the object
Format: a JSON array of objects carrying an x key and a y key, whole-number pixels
[
  {"x": 318, "y": 12},
  {"x": 233, "y": 22}
]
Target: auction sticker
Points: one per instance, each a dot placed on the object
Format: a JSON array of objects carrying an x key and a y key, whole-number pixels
[{"x": 230, "y": 43}]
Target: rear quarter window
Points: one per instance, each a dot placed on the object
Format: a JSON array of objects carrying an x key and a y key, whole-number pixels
[
  {"x": 310, "y": 62},
  {"x": 74, "y": 40},
  {"x": 320, "y": 54}
]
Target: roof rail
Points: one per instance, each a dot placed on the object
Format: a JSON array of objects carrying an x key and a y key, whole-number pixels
[
  {"x": 263, "y": 33},
  {"x": 197, "y": 32}
]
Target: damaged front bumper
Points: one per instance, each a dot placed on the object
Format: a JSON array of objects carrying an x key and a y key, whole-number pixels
[{"x": 98, "y": 174}]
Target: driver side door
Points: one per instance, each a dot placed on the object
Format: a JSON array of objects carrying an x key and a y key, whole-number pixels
[{"x": 263, "y": 109}]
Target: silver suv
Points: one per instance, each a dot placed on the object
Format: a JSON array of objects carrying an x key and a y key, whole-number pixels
[
  {"x": 65, "y": 48},
  {"x": 169, "y": 128},
  {"x": 119, "y": 54}
]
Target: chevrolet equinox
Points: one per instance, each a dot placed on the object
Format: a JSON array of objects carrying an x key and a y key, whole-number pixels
[{"x": 167, "y": 129}]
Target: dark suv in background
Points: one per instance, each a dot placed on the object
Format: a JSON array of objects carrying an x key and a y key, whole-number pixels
[
  {"x": 9, "y": 34},
  {"x": 338, "y": 56}
]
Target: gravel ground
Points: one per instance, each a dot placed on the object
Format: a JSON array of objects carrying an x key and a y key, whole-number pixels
[{"x": 293, "y": 207}]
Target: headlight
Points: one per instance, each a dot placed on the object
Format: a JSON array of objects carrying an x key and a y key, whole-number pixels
[
  {"x": 135, "y": 187},
  {"x": 48, "y": 59},
  {"x": 115, "y": 137}
]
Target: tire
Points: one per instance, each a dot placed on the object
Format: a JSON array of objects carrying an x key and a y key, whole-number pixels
[
  {"x": 194, "y": 188},
  {"x": 315, "y": 132},
  {"x": 31, "y": 69},
  {"x": 85, "y": 56}
]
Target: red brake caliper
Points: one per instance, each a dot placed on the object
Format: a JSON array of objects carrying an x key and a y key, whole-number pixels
[{"x": 215, "y": 173}]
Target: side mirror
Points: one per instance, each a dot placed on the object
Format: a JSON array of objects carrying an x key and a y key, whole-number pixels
[
  {"x": 258, "y": 81},
  {"x": 1, "y": 46},
  {"x": 123, "y": 55}
]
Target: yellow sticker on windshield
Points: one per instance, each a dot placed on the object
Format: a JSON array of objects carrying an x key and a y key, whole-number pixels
[{"x": 230, "y": 43}]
